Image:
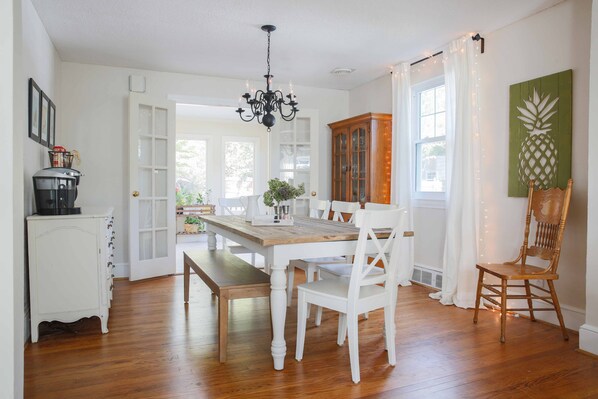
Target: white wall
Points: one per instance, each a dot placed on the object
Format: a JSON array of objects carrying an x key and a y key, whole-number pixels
[
  {"x": 588, "y": 333},
  {"x": 41, "y": 62},
  {"x": 374, "y": 96},
  {"x": 214, "y": 131},
  {"x": 95, "y": 122},
  {"x": 527, "y": 49}
]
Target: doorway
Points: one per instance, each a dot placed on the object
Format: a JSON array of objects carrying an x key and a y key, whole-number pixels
[{"x": 217, "y": 155}]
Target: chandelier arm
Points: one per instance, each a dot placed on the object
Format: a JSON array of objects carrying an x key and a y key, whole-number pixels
[
  {"x": 289, "y": 117},
  {"x": 291, "y": 101},
  {"x": 246, "y": 120}
]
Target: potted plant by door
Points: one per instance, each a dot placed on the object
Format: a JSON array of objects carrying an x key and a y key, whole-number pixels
[
  {"x": 192, "y": 224},
  {"x": 280, "y": 191}
]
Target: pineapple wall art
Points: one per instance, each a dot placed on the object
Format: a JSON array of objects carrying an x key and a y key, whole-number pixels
[{"x": 540, "y": 133}]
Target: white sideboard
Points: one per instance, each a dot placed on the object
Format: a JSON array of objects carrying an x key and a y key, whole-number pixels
[{"x": 70, "y": 267}]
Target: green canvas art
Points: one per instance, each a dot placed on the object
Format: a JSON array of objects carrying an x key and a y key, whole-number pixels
[{"x": 540, "y": 133}]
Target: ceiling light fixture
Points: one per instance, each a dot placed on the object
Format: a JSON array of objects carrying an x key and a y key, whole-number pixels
[
  {"x": 342, "y": 71},
  {"x": 265, "y": 103}
]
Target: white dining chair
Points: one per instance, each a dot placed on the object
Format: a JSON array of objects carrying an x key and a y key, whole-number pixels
[
  {"x": 235, "y": 207},
  {"x": 309, "y": 265},
  {"x": 319, "y": 209},
  {"x": 343, "y": 270},
  {"x": 362, "y": 291}
]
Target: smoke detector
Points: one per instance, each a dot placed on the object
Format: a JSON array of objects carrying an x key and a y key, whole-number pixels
[{"x": 342, "y": 71}]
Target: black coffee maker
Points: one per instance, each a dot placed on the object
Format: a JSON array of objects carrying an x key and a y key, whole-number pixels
[{"x": 56, "y": 191}]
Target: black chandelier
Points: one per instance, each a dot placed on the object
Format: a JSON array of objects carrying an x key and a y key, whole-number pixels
[{"x": 267, "y": 102}]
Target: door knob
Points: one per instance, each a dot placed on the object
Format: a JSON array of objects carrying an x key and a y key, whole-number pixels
[
  {"x": 313, "y": 193},
  {"x": 135, "y": 193}
]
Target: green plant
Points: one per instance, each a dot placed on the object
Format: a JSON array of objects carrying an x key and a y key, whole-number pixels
[
  {"x": 279, "y": 190},
  {"x": 192, "y": 220},
  {"x": 184, "y": 197},
  {"x": 204, "y": 198}
]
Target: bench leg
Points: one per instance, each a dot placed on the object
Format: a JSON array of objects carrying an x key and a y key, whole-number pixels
[
  {"x": 186, "y": 273},
  {"x": 222, "y": 325}
]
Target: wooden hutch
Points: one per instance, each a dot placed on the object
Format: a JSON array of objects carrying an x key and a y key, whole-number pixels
[{"x": 361, "y": 158}]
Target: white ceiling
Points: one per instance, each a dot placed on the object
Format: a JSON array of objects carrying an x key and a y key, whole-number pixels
[{"x": 223, "y": 37}]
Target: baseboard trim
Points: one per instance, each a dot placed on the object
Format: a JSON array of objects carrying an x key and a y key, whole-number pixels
[
  {"x": 574, "y": 317},
  {"x": 588, "y": 339}
]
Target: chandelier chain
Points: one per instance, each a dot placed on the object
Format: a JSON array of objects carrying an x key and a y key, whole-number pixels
[{"x": 268, "y": 58}]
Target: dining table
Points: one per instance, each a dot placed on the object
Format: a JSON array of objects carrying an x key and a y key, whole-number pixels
[{"x": 305, "y": 238}]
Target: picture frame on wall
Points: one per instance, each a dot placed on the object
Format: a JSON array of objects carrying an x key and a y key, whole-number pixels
[
  {"x": 52, "y": 125},
  {"x": 35, "y": 100},
  {"x": 44, "y": 120}
]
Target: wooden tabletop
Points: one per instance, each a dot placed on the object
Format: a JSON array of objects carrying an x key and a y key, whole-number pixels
[{"x": 305, "y": 229}]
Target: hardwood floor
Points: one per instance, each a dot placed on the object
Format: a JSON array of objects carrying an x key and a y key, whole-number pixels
[{"x": 159, "y": 348}]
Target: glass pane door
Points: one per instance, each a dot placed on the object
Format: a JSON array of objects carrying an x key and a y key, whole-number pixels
[
  {"x": 358, "y": 169},
  {"x": 341, "y": 167},
  {"x": 151, "y": 179},
  {"x": 152, "y": 165},
  {"x": 295, "y": 155}
]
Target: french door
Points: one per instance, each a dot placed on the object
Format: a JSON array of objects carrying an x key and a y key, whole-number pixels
[
  {"x": 151, "y": 187},
  {"x": 296, "y": 156}
]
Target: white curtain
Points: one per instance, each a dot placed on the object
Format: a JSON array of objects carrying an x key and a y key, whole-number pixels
[
  {"x": 402, "y": 168},
  {"x": 460, "y": 248}
]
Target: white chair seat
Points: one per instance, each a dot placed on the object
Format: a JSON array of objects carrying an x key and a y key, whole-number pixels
[
  {"x": 344, "y": 269},
  {"x": 329, "y": 259},
  {"x": 237, "y": 248},
  {"x": 338, "y": 289}
]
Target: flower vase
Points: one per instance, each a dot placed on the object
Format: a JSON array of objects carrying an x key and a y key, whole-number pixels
[{"x": 281, "y": 212}]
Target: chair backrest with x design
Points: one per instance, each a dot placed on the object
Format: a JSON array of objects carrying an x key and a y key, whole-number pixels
[
  {"x": 319, "y": 209},
  {"x": 364, "y": 261},
  {"x": 341, "y": 207},
  {"x": 231, "y": 206}
]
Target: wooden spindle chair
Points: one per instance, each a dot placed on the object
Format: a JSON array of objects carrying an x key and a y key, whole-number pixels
[{"x": 549, "y": 209}]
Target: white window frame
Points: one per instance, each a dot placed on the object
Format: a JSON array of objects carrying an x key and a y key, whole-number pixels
[{"x": 422, "y": 198}]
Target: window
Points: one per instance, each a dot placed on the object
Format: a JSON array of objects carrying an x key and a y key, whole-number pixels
[
  {"x": 191, "y": 170},
  {"x": 239, "y": 167},
  {"x": 429, "y": 138}
]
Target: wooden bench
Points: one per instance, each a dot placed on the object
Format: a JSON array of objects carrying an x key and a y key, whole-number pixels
[{"x": 229, "y": 278}]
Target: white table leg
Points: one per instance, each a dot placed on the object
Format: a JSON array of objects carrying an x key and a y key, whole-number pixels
[
  {"x": 278, "y": 309},
  {"x": 211, "y": 240}
]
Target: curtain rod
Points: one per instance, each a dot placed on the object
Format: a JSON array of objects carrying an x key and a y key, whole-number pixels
[
  {"x": 475, "y": 38},
  {"x": 426, "y": 58}
]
